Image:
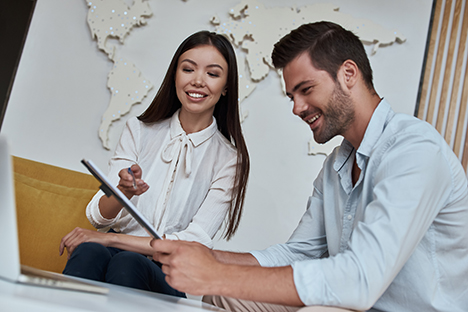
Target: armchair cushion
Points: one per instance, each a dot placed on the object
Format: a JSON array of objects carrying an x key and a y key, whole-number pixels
[{"x": 50, "y": 202}]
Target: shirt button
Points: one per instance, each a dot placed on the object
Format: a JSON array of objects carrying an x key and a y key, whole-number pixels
[{"x": 350, "y": 217}]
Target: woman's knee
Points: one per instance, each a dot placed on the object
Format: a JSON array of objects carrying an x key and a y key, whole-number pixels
[
  {"x": 91, "y": 250},
  {"x": 88, "y": 260},
  {"x": 127, "y": 261},
  {"x": 129, "y": 269},
  {"x": 137, "y": 271},
  {"x": 88, "y": 253}
]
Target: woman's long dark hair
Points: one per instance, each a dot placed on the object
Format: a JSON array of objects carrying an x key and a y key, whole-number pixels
[{"x": 226, "y": 112}]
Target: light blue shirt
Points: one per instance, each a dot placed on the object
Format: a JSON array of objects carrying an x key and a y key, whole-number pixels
[{"x": 398, "y": 239}]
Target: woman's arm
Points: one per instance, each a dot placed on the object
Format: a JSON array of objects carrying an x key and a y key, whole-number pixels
[{"x": 122, "y": 241}]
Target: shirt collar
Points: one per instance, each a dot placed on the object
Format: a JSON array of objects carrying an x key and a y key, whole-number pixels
[
  {"x": 381, "y": 116},
  {"x": 196, "y": 138}
]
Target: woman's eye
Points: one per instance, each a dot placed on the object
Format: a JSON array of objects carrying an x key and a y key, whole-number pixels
[
  {"x": 213, "y": 74},
  {"x": 187, "y": 70}
]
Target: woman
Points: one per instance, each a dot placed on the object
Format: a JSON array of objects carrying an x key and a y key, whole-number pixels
[{"x": 188, "y": 146}]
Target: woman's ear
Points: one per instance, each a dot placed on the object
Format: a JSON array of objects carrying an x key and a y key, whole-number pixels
[{"x": 224, "y": 91}]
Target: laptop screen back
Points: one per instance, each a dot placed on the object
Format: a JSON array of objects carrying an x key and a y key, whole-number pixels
[{"x": 9, "y": 257}]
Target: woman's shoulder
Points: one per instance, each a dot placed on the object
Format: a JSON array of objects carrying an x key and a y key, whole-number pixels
[
  {"x": 224, "y": 144},
  {"x": 135, "y": 123}
]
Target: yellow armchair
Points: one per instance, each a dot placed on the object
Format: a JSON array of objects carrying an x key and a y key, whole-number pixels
[{"x": 50, "y": 201}]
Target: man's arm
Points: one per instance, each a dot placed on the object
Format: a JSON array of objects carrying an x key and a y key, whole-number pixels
[
  {"x": 239, "y": 258},
  {"x": 197, "y": 270}
]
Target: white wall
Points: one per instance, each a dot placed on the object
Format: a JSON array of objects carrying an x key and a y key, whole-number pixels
[{"x": 60, "y": 94}]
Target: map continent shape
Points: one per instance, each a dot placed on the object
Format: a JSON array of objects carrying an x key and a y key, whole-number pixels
[
  {"x": 113, "y": 18},
  {"x": 127, "y": 85},
  {"x": 256, "y": 29}
]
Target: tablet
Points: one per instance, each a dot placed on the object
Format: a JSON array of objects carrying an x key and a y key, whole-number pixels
[{"x": 111, "y": 190}]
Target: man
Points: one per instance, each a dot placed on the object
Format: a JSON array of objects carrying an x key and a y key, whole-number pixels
[{"x": 386, "y": 228}]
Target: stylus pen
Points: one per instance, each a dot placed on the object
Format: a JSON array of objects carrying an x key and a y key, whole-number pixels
[{"x": 133, "y": 176}]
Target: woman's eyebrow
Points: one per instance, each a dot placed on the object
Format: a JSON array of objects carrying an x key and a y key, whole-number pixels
[
  {"x": 188, "y": 60},
  {"x": 195, "y": 64},
  {"x": 215, "y": 65}
]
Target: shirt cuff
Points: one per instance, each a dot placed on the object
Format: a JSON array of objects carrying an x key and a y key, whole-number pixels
[
  {"x": 261, "y": 258},
  {"x": 311, "y": 284},
  {"x": 99, "y": 219},
  {"x": 181, "y": 236}
]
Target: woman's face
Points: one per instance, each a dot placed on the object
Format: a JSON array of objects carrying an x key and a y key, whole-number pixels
[{"x": 200, "y": 80}]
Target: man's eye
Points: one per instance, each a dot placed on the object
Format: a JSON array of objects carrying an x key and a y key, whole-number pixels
[{"x": 305, "y": 89}]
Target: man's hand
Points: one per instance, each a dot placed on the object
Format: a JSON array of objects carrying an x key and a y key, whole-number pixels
[
  {"x": 189, "y": 267},
  {"x": 78, "y": 236},
  {"x": 192, "y": 268}
]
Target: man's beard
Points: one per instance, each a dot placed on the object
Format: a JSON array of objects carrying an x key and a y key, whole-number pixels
[{"x": 338, "y": 116}]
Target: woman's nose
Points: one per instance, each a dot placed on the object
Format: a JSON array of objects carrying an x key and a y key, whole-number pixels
[{"x": 198, "y": 80}]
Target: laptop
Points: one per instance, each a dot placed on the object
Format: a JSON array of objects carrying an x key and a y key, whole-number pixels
[
  {"x": 111, "y": 190},
  {"x": 10, "y": 266}
]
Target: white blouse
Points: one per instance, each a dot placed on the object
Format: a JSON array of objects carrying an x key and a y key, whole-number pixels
[{"x": 190, "y": 177}]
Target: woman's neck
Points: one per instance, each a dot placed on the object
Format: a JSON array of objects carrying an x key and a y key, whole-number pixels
[{"x": 192, "y": 123}]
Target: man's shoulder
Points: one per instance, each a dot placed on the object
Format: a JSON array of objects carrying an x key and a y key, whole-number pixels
[
  {"x": 406, "y": 137},
  {"x": 404, "y": 127}
]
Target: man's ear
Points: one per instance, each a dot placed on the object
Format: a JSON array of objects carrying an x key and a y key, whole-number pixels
[{"x": 349, "y": 72}]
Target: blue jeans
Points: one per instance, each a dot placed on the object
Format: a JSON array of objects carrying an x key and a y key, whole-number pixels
[{"x": 116, "y": 266}]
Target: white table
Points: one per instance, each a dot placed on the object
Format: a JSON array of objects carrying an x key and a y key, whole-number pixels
[{"x": 19, "y": 297}]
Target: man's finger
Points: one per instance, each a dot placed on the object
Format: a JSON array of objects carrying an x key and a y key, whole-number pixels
[
  {"x": 165, "y": 269},
  {"x": 163, "y": 245}
]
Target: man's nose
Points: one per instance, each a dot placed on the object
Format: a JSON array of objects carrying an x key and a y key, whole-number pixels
[{"x": 299, "y": 106}]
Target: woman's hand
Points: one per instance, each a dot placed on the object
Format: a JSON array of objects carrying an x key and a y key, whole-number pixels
[
  {"x": 130, "y": 184},
  {"x": 78, "y": 236},
  {"x": 130, "y": 181}
]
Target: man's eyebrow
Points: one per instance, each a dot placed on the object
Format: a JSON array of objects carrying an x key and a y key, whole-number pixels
[{"x": 299, "y": 85}]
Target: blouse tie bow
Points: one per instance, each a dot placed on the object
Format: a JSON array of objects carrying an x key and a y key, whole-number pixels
[{"x": 179, "y": 146}]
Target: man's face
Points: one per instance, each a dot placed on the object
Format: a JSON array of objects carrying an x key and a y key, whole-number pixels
[{"x": 318, "y": 100}]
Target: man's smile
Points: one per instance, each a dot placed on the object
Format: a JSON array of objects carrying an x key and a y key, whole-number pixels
[{"x": 313, "y": 119}]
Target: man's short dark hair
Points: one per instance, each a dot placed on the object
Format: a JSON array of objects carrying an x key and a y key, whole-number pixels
[{"x": 329, "y": 46}]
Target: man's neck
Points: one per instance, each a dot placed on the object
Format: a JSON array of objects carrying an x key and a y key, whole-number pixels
[{"x": 365, "y": 105}]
